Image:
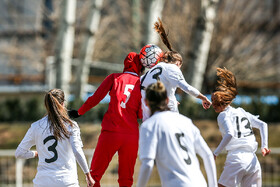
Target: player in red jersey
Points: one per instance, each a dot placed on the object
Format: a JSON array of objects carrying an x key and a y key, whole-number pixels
[{"x": 120, "y": 130}]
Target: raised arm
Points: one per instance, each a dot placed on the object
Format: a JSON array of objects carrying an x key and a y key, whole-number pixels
[
  {"x": 177, "y": 78},
  {"x": 98, "y": 95}
]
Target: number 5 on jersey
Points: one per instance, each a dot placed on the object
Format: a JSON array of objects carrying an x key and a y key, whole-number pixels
[
  {"x": 178, "y": 136},
  {"x": 127, "y": 91}
]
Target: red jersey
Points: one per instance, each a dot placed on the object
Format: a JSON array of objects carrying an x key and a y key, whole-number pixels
[{"x": 125, "y": 103}]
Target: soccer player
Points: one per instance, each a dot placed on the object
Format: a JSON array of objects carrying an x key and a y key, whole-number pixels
[
  {"x": 120, "y": 128},
  {"x": 58, "y": 144},
  {"x": 242, "y": 167},
  {"x": 172, "y": 141},
  {"x": 169, "y": 73}
]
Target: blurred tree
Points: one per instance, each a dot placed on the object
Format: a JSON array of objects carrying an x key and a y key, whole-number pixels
[
  {"x": 48, "y": 26},
  {"x": 276, "y": 53},
  {"x": 245, "y": 38},
  {"x": 136, "y": 21},
  {"x": 64, "y": 45},
  {"x": 152, "y": 9},
  {"x": 200, "y": 42},
  {"x": 87, "y": 48},
  {"x": 246, "y": 41},
  {"x": 47, "y": 22}
]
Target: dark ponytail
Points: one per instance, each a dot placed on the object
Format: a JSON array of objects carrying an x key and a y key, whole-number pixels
[
  {"x": 57, "y": 113},
  {"x": 161, "y": 31},
  {"x": 170, "y": 56}
]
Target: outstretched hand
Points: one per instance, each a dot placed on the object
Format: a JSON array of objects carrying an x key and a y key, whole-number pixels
[
  {"x": 265, "y": 151},
  {"x": 73, "y": 114},
  {"x": 206, "y": 103}
]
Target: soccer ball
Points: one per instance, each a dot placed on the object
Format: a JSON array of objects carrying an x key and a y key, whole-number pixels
[{"x": 150, "y": 55}]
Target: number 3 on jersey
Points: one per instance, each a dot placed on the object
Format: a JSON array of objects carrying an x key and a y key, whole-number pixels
[
  {"x": 127, "y": 91},
  {"x": 51, "y": 149}
]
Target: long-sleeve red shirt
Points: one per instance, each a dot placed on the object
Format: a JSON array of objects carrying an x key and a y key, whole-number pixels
[{"x": 125, "y": 103}]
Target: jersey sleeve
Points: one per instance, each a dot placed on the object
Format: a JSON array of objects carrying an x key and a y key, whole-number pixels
[
  {"x": 226, "y": 139},
  {"x": 148, "y": 141},
  {"x": 176, "y": 78},
  {"x": 75, "y": 138},
  {"x": 225, "y": 124},
  {"x": 227, "y": 130},
  {"x": 76, "y": 144},
  {"x": 205, "y": 153},
  {"x": 145, "y": 172},
  {"x": 98, "y": 95},
  {"x": 262, "y": 126},
  {"x": 23, "y": 149}
]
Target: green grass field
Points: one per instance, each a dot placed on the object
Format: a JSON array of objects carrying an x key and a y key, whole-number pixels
[{"x": 12, "y": 134}]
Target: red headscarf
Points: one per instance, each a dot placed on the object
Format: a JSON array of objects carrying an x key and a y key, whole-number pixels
[{"x": 132, "y": 63}]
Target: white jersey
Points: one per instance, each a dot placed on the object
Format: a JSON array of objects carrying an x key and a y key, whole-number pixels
[
  {"x": 238, "y": 123},
  {"x": 173, "y": 141},
  {"x": 57, "y": 164},
  {"x": 172, "y": 78}
]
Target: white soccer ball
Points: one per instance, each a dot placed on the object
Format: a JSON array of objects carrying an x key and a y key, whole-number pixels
[{"x": 150, "y": 55}]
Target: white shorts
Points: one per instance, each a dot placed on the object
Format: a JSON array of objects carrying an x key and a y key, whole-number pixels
[{"x": 241, "y": 169}]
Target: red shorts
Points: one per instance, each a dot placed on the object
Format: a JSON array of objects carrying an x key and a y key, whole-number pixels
[{"x": 108, "y": 144}]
